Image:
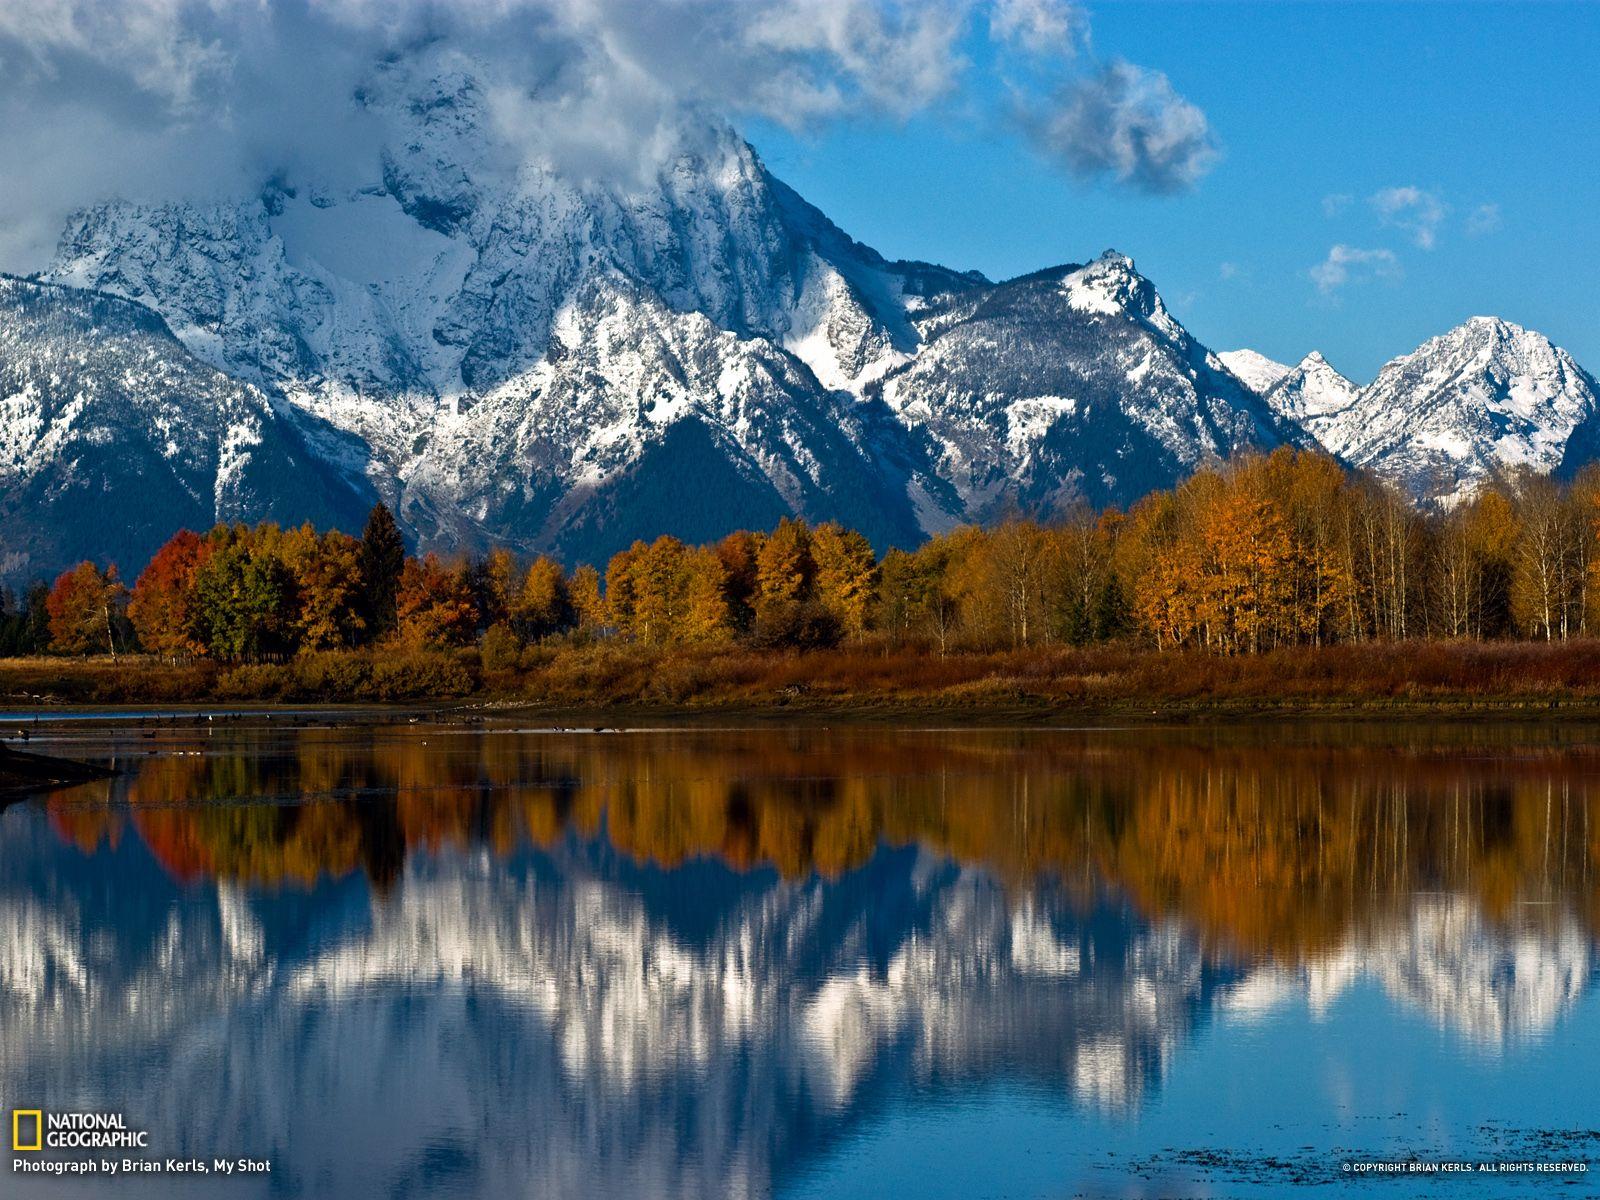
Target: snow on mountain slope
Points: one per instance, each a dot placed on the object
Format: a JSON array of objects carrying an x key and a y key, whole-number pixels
[
  {"x": 1484, "y": 399},
  {"x": 564, "y": 329},
  {"x": 1070, "y": 384},
  {"x": 1312, "y": 394},
  {"x": 517, "y": 356},
  {"x": 565, "y": 365},
  {"x": 112, "y": 436},
  {"x": 1256, "y": 371}
]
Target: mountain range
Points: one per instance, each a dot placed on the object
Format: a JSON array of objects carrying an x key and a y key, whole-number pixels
[{"x": 562, "y": 365}]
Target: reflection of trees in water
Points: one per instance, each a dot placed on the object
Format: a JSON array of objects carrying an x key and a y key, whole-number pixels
[
  {"x": 574, "y": 1023},
  {"x": 598, "y": 1004},
  {"x": 1278, "y": 849}
]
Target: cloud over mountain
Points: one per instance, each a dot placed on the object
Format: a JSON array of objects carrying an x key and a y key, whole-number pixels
[{"x": 154, "y": 99}]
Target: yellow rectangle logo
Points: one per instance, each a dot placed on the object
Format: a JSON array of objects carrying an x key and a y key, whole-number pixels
[{"x": 17, "y": 1114}]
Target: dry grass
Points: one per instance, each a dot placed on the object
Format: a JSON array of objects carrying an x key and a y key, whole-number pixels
[{"x": 1106, "y": 678}]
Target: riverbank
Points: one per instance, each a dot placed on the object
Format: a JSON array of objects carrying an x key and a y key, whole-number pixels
[{"x": 1384, "y": 679}]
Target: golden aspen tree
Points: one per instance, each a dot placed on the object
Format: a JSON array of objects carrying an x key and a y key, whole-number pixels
[
  {"x": 588, "y": 604},
  {"x": 846, "y": 575},
  {"x": 542, "y": 605}
]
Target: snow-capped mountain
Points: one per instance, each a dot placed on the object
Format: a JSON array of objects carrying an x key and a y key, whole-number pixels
[
  {"x": 1312, "y": 394},
  {"x": 1253, "y": 369},
  {"x": 556, "y": 363},
  {"x": 1482, "y": 400},
  {"x": 112, "y": 435},
  {"x": 1070, "y": 384},
  {"x": 518, "y": 356}
]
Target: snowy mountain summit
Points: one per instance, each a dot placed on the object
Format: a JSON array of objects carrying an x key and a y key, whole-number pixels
[
  {"x": 1311, "y": 394},
  {"x": 513, "y": 354},
  {"x": 1253, "y": 369},
  {"x": 1483, "y": 400},
  {"x": 517, "y": 354}
]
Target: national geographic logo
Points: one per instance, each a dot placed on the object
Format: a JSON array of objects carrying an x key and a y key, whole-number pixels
[
  {"x": 22, "y": 1121},
  {"x": 31, "y": 1129}
]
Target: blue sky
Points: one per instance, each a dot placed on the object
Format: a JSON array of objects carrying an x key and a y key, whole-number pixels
[{"x": 1452, "y": 149}]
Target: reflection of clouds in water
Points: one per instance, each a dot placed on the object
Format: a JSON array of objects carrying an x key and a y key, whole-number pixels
[
  {"x": 577, "y": 1024},
  {"x": 547, "y": 1029},
  {"x": 1492, "y": 983}
]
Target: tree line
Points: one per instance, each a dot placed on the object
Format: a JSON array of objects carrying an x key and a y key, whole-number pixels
[{"x": 1286, "y": 549}]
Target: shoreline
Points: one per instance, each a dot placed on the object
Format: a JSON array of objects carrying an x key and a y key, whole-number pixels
[
  {"x": 851, "y": 710},
  {"x": 602, "y": 684}
]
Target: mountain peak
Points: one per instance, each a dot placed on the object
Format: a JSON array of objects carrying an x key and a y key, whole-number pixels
[
  {"x": 1253, "y": 369},
  {"x": 1486, "y": 397},
  {"x": 1312, "y": 395},
  {"x": 1110, "y": 286}
]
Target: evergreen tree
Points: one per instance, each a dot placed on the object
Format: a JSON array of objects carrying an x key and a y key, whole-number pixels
[
  {"x": 35, "y": 635},
  {"x": 382, "y": 558}
]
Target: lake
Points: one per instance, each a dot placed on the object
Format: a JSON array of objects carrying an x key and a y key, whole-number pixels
[{"x": 408, "y": 957}]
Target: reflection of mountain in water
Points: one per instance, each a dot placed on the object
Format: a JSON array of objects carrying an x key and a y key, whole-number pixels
[
  {"x": 686, "y": 964},
  {"x": 578, "y": 1024},
  {"x": 1492, "y": 983}
]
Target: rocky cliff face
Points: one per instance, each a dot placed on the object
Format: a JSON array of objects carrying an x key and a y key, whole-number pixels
[
  {"x": 112, "y": 435},
  {"x": 515, "y": 356},
  {"x": 559, "y": 364}
]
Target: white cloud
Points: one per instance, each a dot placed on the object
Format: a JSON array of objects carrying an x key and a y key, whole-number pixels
[
  {"x": 1411, "y": 210},
  {"x": 1041, "y": 26},
  {"x": 1130, "y": 124},
  {"x": 1336, "y": 203},
  {"x": 1483, "y": 219},
  {"x": 153, "y": 99},
  {"x": 1347, "y": 265}
]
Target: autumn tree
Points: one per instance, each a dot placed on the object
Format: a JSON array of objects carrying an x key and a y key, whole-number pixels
[
  {"x": 162, "y": 607},
  {"x": 1085, "y": 598},
  {"x": 1546, "y": 574},
  {"x": 846, "y": 575},
  {"x": 435, "y": 605},
  {"x": 914, "y": 595},
  {"x": 738, "y": 553},
  {"x": 588, "y": 603},
  {"x": 543, "y": 604},
  {"x": 243, "y": 598},
  {"x": 706, "y": 613},
  {"x": 785, "y": 570},
  {"x": 497, "y": 583},
  {"x": 665, "y": 592},
  {"x": 326, "y": 568},
  {"x": 85, "y": 608}
]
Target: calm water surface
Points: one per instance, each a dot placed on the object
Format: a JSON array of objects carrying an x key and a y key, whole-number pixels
[{"x": 429, "y": 959}]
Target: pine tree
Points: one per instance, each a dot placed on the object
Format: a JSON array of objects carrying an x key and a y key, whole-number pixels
[{"x": 383, "y": 558}]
